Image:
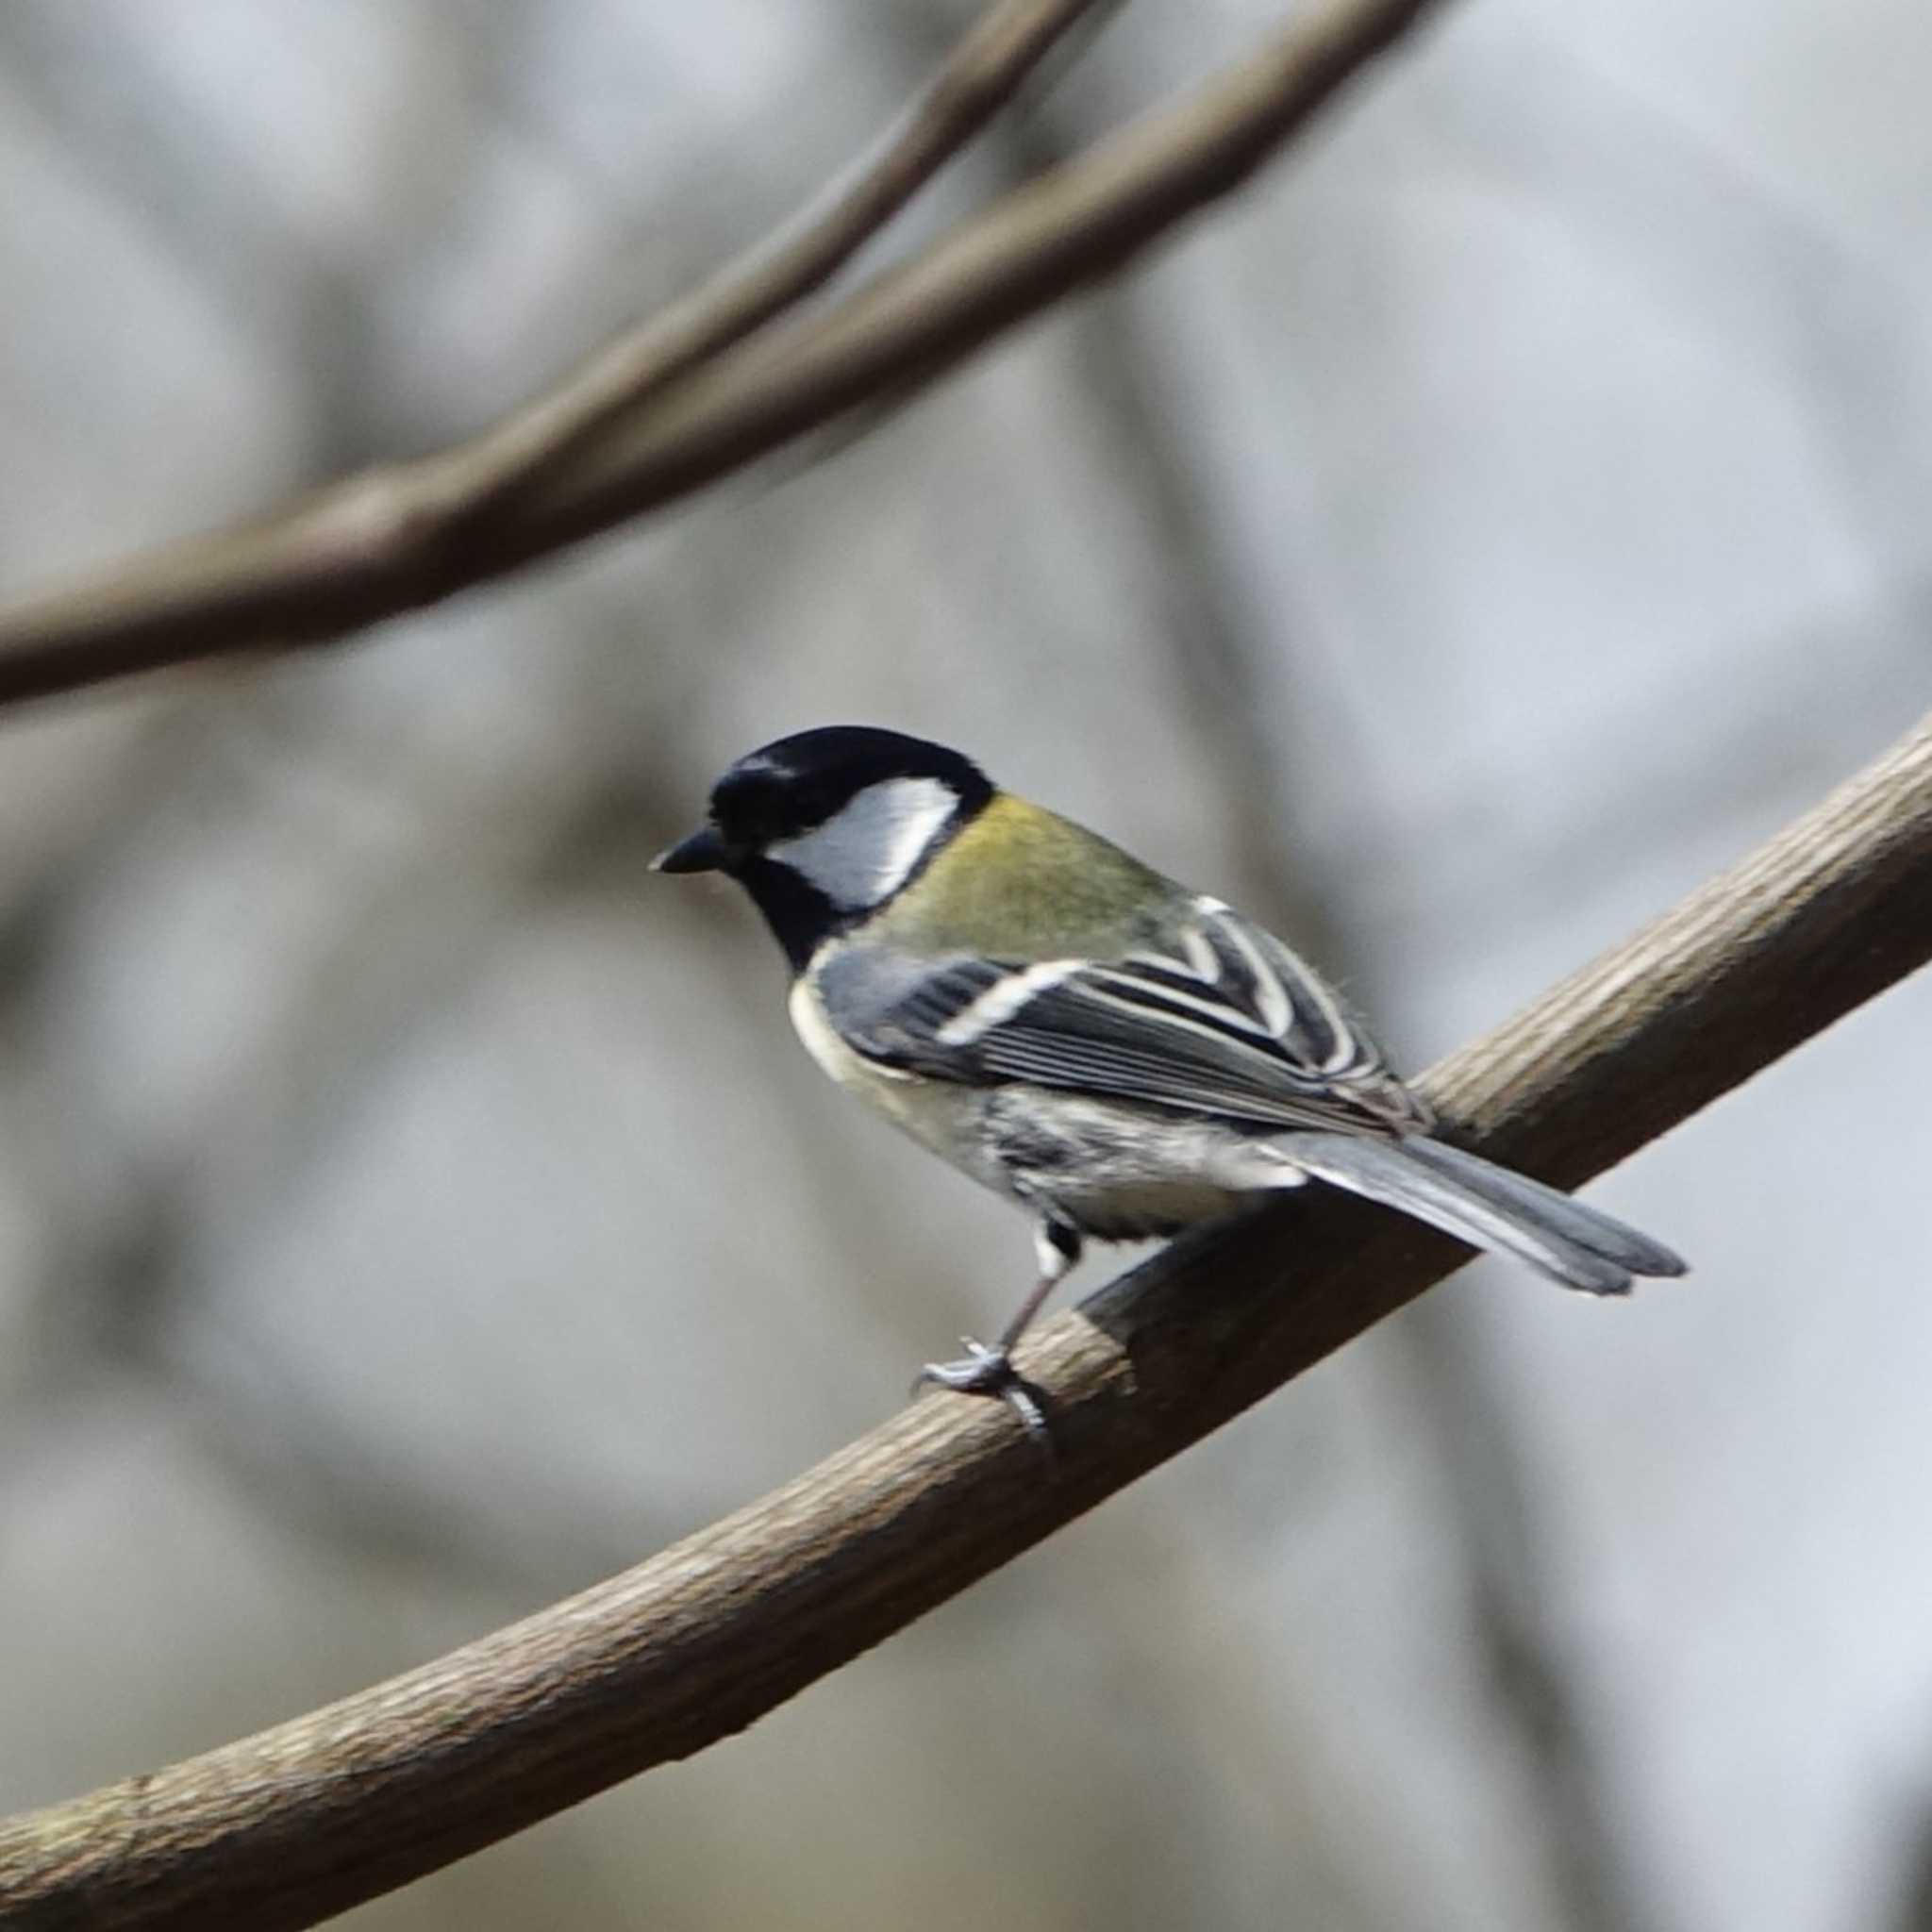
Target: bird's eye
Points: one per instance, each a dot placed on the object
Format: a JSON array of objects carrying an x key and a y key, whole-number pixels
[{"x": 750, "y": 814}]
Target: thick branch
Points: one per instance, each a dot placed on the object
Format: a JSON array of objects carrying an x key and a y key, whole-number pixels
[
  {"x": 283, "y": 1828},
  {"x": 391, "y": 539}
]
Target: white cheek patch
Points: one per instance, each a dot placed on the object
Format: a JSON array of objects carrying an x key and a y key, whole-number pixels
[{"x": 867, "y": 849}]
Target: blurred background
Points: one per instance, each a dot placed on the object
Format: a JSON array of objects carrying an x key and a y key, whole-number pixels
[{"x": 1501, "y": 517}]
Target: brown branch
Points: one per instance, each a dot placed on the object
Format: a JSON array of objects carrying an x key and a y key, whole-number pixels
[
  {"x": 978, "y": 79},
  {"x": 308, "y": 1817},
  {"x": 391, "y": 539}
]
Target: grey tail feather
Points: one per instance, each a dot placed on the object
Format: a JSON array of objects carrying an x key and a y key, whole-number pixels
[
  {"x": 1589, "y": 1228},
  {"x": 1487, "y": 1206}
]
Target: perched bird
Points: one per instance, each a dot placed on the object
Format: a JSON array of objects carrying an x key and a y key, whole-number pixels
[{"x": 1120, "y": 1056}]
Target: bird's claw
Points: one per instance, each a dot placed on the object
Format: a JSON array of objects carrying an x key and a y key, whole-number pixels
[{"x": 983, "y": 1371}]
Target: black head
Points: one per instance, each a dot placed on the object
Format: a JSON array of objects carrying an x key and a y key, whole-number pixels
[{"x": 822, "y": 827}]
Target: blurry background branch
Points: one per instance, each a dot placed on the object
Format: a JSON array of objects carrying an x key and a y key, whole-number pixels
[
  {"x": 661, "y": 413},
  {"x": 305, "y": 1819}
]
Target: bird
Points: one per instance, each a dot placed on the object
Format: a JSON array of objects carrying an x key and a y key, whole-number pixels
[{"x": 1118, "y": 1054}]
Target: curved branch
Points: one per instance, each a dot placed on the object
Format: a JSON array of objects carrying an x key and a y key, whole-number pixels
[
  {"x": 308, "y": 1817},
  {"x": 391, "y": 539},
  {"x": 979, "y": 77}
]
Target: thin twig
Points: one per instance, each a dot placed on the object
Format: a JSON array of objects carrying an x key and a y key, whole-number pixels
[
  {"x": 281, "y": 1830},
  {"x": 980, "y": 75},
  {"x": 391, "y": 539}
]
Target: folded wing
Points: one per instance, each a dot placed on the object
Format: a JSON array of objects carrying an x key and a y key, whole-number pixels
[{"x": 1227, "y": 1023}]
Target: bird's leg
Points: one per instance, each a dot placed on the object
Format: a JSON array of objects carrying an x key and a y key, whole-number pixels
[{"x": 989, "y": 1370}]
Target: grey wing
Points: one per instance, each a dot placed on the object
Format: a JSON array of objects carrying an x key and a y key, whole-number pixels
[{"x": 1223, "y": 1021}]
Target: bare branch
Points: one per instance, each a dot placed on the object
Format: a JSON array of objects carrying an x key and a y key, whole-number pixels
[
  {"x": 981, "y": 76},
  {"x": 391, "y": 539},
  {"x": 305, "y": 1819}
]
